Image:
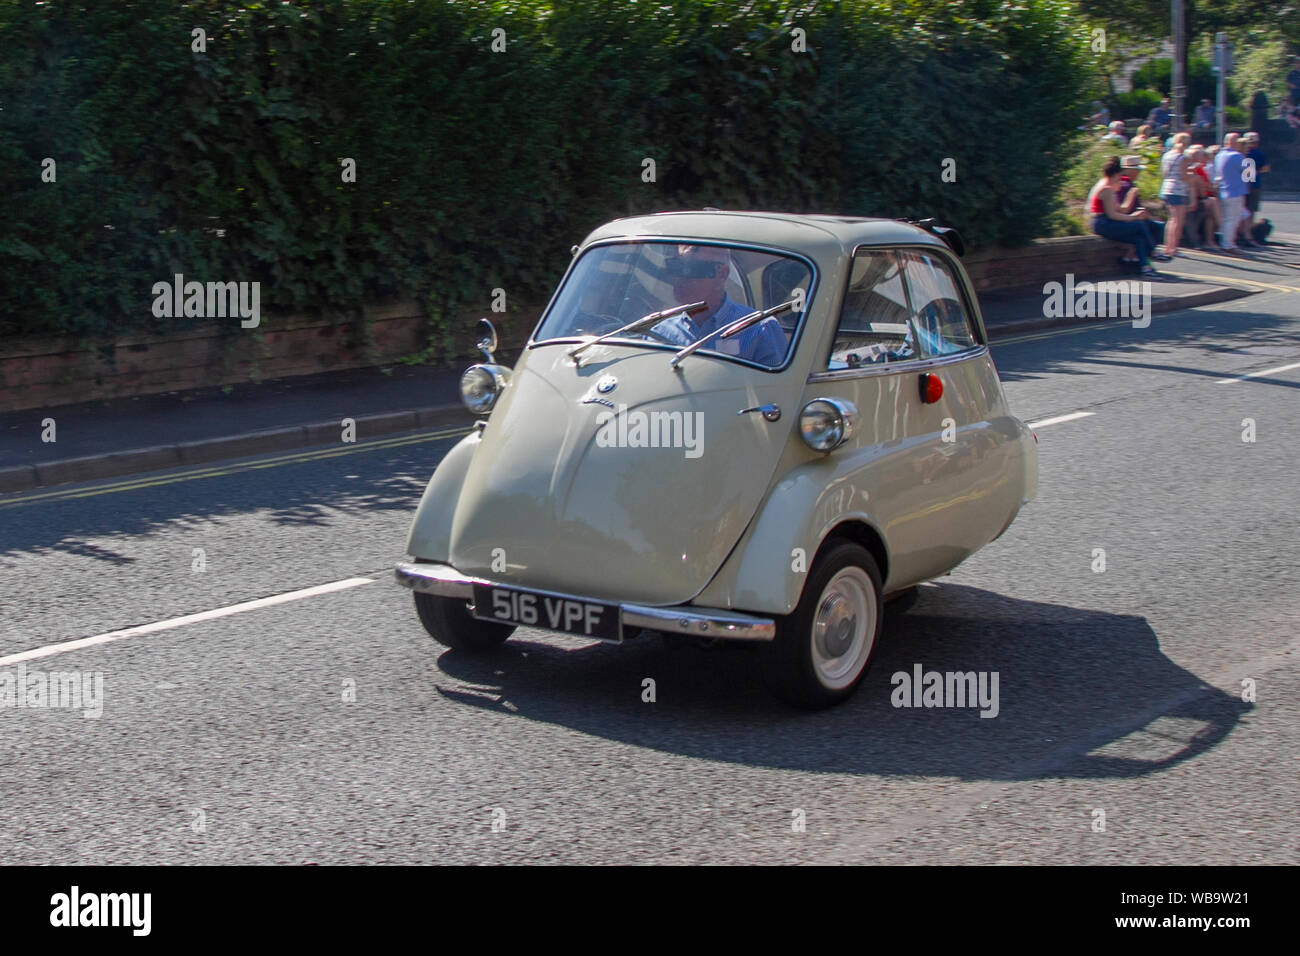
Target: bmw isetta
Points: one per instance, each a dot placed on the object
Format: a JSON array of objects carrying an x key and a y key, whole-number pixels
[{"x": 738, "y": 426}]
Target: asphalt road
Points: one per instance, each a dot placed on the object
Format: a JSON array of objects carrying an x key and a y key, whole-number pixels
[{"x": 233, "y": 738}]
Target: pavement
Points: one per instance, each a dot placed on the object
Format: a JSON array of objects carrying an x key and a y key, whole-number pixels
[
  {"x": 269, "y": 696},
  {"x": 127, "y": 436}
]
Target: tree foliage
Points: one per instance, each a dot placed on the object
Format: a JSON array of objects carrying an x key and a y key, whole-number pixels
[{"x": 478, "y": 169}]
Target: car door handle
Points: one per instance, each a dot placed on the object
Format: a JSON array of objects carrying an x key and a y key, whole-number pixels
[{"x": 770, "y": 412}]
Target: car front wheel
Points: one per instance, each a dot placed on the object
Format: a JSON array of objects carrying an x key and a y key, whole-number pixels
[
  {"x": 822, "y": 649},
  {"x": 449, "y": 622}
]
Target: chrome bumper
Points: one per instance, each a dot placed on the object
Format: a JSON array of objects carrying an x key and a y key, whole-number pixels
[{"x": 445, "y": 581}]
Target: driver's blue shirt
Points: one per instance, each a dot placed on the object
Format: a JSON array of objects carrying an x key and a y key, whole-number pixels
[{"x": 763, "y": 343}]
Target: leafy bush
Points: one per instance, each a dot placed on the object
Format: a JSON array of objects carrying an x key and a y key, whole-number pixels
[
  {"x": 1083, "y": 169},
  {"x": 1262, "y": 64},
  {"x": 477, "y": 169},
  {"x": 1158, "y": 75},
  {"x": 1137, "y": 103}
]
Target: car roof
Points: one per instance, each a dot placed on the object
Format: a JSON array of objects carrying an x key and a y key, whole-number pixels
[{"x": 818, "y": 236}]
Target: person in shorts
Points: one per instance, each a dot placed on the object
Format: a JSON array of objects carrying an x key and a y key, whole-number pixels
[
  {"x": 1177, "y": 189},
  {"x": 1255, "y": 155}
]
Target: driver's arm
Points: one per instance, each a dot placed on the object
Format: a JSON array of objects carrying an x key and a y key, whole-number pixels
[{"x": 768, "y": 346}]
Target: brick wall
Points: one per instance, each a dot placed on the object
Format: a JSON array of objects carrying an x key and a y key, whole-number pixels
[
  {"x": 39, "y": 373},
  {"x": 1044, "y": 260},
  {"x": 55, "y": 371}
]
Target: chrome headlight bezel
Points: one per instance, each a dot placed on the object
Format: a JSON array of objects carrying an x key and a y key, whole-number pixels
[
  {"x": 481, "y": 385},
  {"x": 827, "y": 423}
]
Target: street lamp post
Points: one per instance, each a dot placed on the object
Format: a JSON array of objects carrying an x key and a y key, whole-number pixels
[{"x": 1222, "y": 67}]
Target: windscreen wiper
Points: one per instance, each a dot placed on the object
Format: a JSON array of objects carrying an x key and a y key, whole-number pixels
[
  {"x": 654, "y": 318},
  {"x": 734, "y": 328}
]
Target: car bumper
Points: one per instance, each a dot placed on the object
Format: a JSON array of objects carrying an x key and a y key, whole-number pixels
[{"x": 445, "y": 581}]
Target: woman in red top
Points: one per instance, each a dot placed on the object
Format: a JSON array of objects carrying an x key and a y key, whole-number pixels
[
  {"x": 1109, "y": 222},
  {"x": 1197, "y": 157}
]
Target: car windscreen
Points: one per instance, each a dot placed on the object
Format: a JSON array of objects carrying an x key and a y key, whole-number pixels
[{"x": 614, "y": 285}]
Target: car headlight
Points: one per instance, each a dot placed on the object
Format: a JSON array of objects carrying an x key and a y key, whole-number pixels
[
  {"x": 827, "y": 423},
  {"x": 481, "y": 386}
]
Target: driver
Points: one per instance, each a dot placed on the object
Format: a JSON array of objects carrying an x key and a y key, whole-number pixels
[{"x": 699, "y": 273}]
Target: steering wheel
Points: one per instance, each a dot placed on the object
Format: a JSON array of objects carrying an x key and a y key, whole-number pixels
[
  {"x": 595, "y": 323},
  {"x": 652, "y": 334}
]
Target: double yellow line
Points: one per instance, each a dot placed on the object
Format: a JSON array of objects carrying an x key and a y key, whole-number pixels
[
  {"x": 132, "y": 484},
  {"x": 1076, "y": 329},
  {"x": 1232, "y": 280}
]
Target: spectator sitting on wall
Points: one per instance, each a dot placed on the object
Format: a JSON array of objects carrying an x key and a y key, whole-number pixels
[
  {"x": 1205, "y": 115},
  {"x": 1116, "y": 133},
  {"x": 1126, "y": 194},
  {"x": 1143, "y": 136},
  {"x": 1160, "y": 116},
  {"x": 1291, "y": 113},
  {"x": 1100, "y": 116},
  {"x": 1198, "y": 157},
  {"x": 1110, "y": 223}
]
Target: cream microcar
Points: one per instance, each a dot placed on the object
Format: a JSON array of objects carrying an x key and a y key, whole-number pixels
[{"x": 733, "y": 426}]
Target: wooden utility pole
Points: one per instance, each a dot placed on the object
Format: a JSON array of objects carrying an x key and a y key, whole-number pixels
[{"x": 1178, "y": 19}]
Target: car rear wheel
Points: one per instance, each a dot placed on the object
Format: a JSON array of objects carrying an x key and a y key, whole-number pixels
[
  {"x": 823, "y": 648},
  {"x": 449, "y": 622}
]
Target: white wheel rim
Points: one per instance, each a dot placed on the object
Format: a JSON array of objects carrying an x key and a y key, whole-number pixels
[{"x": 843, "y": 628}]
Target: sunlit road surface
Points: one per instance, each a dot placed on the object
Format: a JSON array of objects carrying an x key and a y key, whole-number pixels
[{"x": 283, "y": 705}]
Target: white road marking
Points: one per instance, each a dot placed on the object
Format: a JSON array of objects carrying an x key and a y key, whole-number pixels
[
  {"x": 62, "y": 648},
  {"x": 1249, "y": 375},
  {"x": 1058, "y": 419}
]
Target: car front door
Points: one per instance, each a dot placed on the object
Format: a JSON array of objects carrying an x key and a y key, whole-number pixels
[{"x": 934, "y": 467}]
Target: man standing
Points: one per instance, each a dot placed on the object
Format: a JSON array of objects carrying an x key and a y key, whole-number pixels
[
  {"x": 1229, "y": 173},
  {"x": 1257, "y": 163}
]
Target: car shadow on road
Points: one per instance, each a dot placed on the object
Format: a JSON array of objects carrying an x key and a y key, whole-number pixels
[{"x": 1082, "y": 693}]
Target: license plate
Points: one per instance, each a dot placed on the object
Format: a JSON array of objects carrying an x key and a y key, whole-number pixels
[{"x": 551, "y": 612}]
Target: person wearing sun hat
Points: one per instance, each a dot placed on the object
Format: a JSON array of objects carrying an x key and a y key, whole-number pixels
[{"x": 1130, "y": 202}]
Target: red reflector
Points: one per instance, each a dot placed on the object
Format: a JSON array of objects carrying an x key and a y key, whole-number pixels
[{"x": 931, "y": 388}]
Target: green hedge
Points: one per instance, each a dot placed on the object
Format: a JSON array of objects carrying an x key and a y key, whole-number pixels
[
  {"x": 1201, "y": 80},
  {"x": 477, "y": 169}
]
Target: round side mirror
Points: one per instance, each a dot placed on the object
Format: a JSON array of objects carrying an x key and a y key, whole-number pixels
[{"x": 487, "y": 338}]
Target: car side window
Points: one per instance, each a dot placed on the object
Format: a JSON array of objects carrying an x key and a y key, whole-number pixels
[
  {"x": 874, "y": 327},
  {"x": 942, "y": 325}
]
